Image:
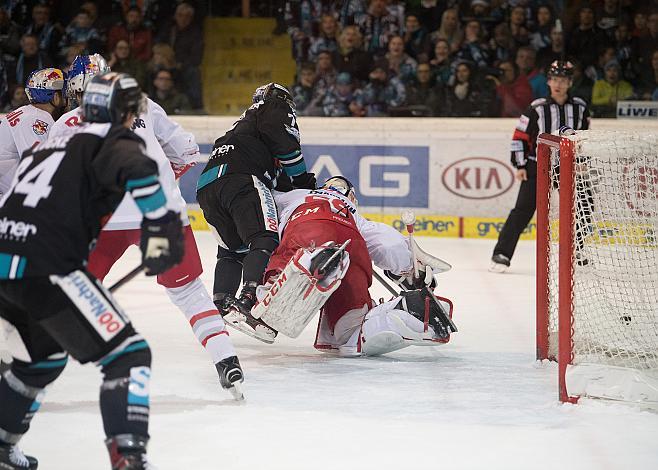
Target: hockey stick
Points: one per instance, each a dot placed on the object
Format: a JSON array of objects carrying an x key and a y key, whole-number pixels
[
  {"x": 127, "y": 278},
  {"x": 437, "y": 264},
  {"x": 409, "y": 219},
  {"x": 385, "y": 283}
]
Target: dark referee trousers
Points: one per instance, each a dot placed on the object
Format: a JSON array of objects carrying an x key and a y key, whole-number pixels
[{"x": 543, "y": 115}]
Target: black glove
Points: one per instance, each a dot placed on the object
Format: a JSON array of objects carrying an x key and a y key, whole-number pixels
[
  {"x": 161, "y": 243},
  {"x": 304, "y": 181},
  {"x": 411, "y": 282}
]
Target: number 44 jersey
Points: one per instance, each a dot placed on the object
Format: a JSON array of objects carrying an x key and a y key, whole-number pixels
[{"x": 62, "y": 191}]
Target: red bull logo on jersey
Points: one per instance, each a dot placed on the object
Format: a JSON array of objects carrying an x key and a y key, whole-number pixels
[{"x": 40, "y": 127}]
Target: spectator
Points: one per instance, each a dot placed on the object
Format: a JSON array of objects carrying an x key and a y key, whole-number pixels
[
  {"x": 440, "y": 64},
  {"x": 595, "y": 71},
  {"x": 423, "y": 91},
  {"x": 326, "y": 40},
  {"x": 304, "y": 93},
  {"x": 10, "y": 36},
  {"x": 555, "y": 51},
  {"x": 582, "y": 84},
  {"x": 466, "y": 98},
  {"x": 121, "y": 60},
  {"x": 99, "y": 25},
  {"x": 648, "y": 42},
  {"x": 325, "y": 72},
  {"x": 512, "y": 90},
  {"x": 163, "y": 57},
  {"x": 30, "y": 59},
  {"x": 450, "y": 30},
  {"x": 517, "y": 26},
  {"x": 377, "y": 26},
  {"x": 396, "y": 8},
  {"x": 501, "y": 44},
  {"x": 166, "y": 95},
  {"x": 479, "y": 11},
  {"x": 399, "y": 63},
  {"x": 48, "y": 36},
  {"x": 624, "y": 50},
  {"x": 541, "y": 37},
  {"x": 609, "y": 90},
  {"x": 640, "y": 27},
  {"x": 430, "y": 12},
  {"x": 347, "y": 10},
  {"x": 187, "y": 42},
  {"x": 586, "y": 40},
  {"x": 416, "y": 39},
  {"x": 648, "y": 88},
  {"x": 300, "y": 17},
  {"x": 71, "y": 53},
  {"x": 610, "y": 17},
  {"x": 18, "y": 98},
  {"x": 349, "y": 57},
  {"x": 80, "y": 31},
  {"x": 525, "y": 61},
  {"x": 338, "y": 101},
  {"x": 473, "y": 49},
  {"x": 132, "y": 30},
  {"x": 380, "y": 93}
]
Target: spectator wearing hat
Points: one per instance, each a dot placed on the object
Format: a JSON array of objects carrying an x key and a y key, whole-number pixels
[
  {"x": 349, "y": 57},
  {"x": 586, "y": 39},
  {"x": 166, "y": 95},
  {"x": 380, "y": 93},
  {"x": 338, "y": 101},
  {"x": 449, "y": 30},
  {"x": 132, "y": 30},
  {"x": 441, "y": 63},
  {"x": 610, "y": 89},
  {"x": 416, "y": 39},
  {"x": 512, "y": 89},
  {"x": 400, "y": 64},
  {"x": 423, "y": 91}
]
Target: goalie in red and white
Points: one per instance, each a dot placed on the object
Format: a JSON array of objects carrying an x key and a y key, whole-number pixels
[{"x": 324, "y": 262}]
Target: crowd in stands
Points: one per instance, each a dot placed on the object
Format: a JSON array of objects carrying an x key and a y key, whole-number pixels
[
  {"x": 466, "y": 57},
  {"x": 159, "y": 42}
]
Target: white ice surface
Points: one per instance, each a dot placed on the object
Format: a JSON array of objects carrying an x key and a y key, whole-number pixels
[{"x": 480, "y": 402}]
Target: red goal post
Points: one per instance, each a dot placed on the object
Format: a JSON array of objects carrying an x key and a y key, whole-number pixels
[{"x": 597, "y": 263}]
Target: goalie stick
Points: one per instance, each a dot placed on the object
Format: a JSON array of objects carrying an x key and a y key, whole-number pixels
[
  {"x": 126, "y": 279},
  {"x": 437, "y": 264}
]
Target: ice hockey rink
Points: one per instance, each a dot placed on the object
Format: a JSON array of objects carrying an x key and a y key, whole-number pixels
[{"x": 480, "y": 402}]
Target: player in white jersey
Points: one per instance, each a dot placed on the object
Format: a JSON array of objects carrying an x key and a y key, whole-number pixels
[
  {"x": 349, "y": 321},
  {"x": 175, "y": 151},
  {"x": 27, "y": 126}
]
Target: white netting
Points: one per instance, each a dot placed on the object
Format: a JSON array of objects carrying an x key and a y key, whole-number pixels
[{"x": 615, "y": 272}]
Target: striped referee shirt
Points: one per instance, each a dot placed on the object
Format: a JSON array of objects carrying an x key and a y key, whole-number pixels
[{"x": 545, "y": 115}]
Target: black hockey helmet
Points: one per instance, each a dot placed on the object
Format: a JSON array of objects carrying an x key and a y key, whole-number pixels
[
  {"x": 273, "y": 90},
  {"x": 111, "y": 97},
  {"x": 341, "y": 185},
  {"x": 560, "y": 68}
]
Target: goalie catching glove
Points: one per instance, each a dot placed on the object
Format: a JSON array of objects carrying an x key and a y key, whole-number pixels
[
  {"x": 410, "y": 282},
  {"x": 161, "y": 243}
]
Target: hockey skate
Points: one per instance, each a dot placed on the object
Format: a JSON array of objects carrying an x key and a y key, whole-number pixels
[
  {"x": 11, "y": 458},
  {"x": 128, "y": 452},
  {"x": 429, "y": 309},
  {"x": 499, "y": 263},
  {"x": 237, "y": 314},
  {"x": 231, "y": 376}
]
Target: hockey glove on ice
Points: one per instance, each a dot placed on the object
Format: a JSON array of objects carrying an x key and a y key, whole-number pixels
[
  {"x": 409, "y": 282},
  {"x": 304, "y": 181},
  {"x": 161, "y": 243}
]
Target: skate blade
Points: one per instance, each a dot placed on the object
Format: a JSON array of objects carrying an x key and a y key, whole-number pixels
[
  {"x": 498, "y": 268},
  {"x": 236, "y": 391},
  {"x": 238, "y": 321}
]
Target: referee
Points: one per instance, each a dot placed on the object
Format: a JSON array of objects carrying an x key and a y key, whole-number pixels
[{"x": 544, "y": 115}]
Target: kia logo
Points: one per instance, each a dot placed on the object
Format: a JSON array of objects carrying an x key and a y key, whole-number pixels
[{"x": 478, "y": 178}]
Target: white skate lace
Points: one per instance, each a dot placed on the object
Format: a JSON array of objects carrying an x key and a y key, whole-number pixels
[{"x": 17, "y": 457}]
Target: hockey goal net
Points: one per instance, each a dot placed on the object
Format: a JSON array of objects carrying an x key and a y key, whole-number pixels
[{"x": 597, "y": 263}]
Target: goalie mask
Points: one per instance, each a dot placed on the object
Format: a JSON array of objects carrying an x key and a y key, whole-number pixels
[{"x": 343, "y": 186}]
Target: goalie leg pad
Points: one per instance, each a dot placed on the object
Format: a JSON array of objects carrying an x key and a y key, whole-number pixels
[
  {"x": 429, "y": 309},
  {"x": 290, "y": 301}
]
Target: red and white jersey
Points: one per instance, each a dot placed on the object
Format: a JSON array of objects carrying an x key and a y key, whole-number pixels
[
  {"x": 20, "y": 130},
  {"x": 387, "y": 248},
  {"x": 167, "y": 143}
]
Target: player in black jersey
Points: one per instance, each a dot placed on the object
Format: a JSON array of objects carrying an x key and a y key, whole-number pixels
[
  {"x": 62, "y": 192},
  {"x": 234, "y": 191},
  {"x": 544, "y": 115}
]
